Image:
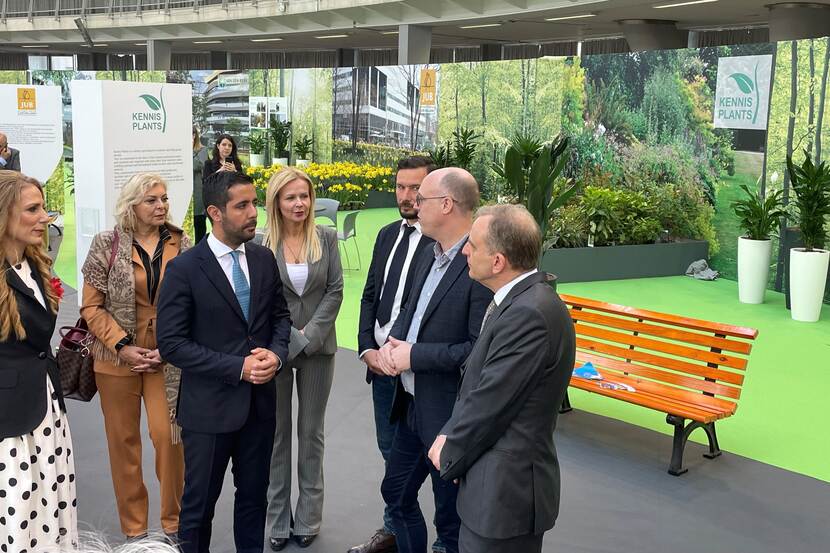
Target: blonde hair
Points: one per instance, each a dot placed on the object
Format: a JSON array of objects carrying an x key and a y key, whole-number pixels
[
  {"x": 274, "y": 228},
  {"x": 12, "y": 185},
  {"x": 131, "y": 195}
]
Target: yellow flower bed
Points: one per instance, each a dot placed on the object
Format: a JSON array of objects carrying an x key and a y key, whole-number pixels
[{"x": 344, "y": 181}]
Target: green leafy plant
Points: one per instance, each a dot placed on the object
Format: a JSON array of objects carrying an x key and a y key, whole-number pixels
[
  {"x": 527, "y": 146},
  {"x": 280, "y": 133},
  {"x": 541, "y": 187},
  {"x": 303, "y": 147},
  {"x": 465, "y": 144},
  {"x": 811, "y": 185},
  {"x": 257, "y": 143},
  {"x": 442, "y": 155},
  {"x": 759, "y": 216}
]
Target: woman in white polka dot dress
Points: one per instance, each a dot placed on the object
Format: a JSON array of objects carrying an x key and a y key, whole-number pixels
[{"x": 37, "y": 473}]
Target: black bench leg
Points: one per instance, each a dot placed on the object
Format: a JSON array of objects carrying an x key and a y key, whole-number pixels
[
  {"x": 566, "y": 404},
  {"x": 681, "y": 436},
  {"x": 714, "y": 447},
  {"x": 679, "y": 444}
]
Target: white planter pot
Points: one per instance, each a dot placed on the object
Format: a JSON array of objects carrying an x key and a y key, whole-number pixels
[
  {"x": 808, "y": 276},
  {"x": 279, "y": 161},
  {"x": 257, "y": 159},
  {"x": 753, "y": 269},
  {"x": 303, "y": 162}
]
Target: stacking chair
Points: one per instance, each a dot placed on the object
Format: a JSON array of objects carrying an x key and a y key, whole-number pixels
[{"x": 349, "y": 231}]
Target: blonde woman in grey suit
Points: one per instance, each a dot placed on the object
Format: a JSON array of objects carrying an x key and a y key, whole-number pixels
[{"x": 309, "y": 265}]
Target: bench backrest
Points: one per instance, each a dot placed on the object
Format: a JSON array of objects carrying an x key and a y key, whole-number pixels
[{"x": 690, "y": 354}]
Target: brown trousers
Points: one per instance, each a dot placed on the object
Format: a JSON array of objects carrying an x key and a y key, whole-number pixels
[{"x": 121, "y": 405}]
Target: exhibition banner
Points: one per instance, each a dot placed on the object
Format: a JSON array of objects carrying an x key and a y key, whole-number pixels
[
  {"x": 742, "y": 94},
  {"x": 31, "y": 120},
  {"x": 120, "y": 129}
]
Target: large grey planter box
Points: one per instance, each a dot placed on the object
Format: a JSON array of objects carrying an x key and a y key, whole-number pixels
[
  {"x": 619, "y": 262},
  {"x": 380, "y": 199}
]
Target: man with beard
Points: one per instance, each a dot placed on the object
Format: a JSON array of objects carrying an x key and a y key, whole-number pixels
[
  {"x": 386, "y": 291},
  {"x": 223, "y": 320}
]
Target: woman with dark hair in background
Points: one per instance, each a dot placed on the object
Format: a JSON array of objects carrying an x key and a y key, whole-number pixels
[
  {"x": 37, "y": 470},
  {"x": 224, "y": 157},
  {"x": 200, "y": 158}
]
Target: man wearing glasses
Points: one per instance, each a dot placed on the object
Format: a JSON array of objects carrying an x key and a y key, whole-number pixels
[
  {"x": 386, "y": 291},
  {"x": 427, "y": 346},
  {"x": 9, "y": 157}
]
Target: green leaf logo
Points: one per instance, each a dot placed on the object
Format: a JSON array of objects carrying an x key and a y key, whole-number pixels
[
  {"x": 744, "y": 82},
  {"x": 152, "y": 102}
]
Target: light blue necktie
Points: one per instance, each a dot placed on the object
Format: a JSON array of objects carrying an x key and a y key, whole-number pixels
[{"x": 240, "y": 285}]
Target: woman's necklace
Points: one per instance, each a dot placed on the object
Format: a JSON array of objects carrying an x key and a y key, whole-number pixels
[{"x": 293, "y": 253}]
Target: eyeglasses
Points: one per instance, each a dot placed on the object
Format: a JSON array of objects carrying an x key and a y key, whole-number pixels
[{"x": 421, "y": 199}]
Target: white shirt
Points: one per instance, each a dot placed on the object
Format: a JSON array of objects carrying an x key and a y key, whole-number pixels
[
  {"x": 223, "y": 256},
  {"x": 502, "y": 292},
  {"x": 298, "y": 274},
  {"x": 382, "y": 332},
  {"x": 25, "y": 274}
]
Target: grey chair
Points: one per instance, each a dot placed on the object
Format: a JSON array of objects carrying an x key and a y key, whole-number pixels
[
  {"x": 327, "y": 207},
  {"x": 348, "y": 231}
]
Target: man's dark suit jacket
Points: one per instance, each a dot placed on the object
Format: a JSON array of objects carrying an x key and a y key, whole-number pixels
[
  {"x": 500, "y": 436},
  {"x": 13, "y": 164},
  {"x": 384, "y": 243},
  {"x": 201, "y": 330},
  {"x": 26, "y": 364},
  {"x": 448, "y": 330}
]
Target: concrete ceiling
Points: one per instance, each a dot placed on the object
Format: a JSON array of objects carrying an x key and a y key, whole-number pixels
[{"x": 364, "y": 23}]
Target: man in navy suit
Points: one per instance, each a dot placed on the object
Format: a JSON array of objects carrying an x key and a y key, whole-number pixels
[
  {"x": 427, "y": 346},
  {"x": 386, "y": 291},
  {"x": 223, "y": 320}
]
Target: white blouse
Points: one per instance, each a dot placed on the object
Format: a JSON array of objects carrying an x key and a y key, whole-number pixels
[
  {"x": 25, "y": 274},
  {"x": 298, "y": 273}
]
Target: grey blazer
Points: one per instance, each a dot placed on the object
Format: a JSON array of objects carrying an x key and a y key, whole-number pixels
[{"x": 317, "y": 308}]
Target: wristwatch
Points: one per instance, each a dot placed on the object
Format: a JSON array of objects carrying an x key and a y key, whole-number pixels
[{"x": 125, "y": 341}]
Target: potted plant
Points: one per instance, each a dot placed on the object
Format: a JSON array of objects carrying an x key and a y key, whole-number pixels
[
  {"x": 537, "y": 181},
  {"x": 280, "y": 134},
  {"x": 759, "y": 218},
  {"x": 808, "y": 265},
  {"x": 302, "y": 148},
  {"x": 257, "y": 144}
]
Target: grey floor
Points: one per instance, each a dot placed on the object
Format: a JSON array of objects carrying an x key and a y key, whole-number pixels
[{"x": 616, "y": 494}]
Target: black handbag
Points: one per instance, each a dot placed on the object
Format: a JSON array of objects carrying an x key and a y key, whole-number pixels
[{"x": 74, "y": 358}]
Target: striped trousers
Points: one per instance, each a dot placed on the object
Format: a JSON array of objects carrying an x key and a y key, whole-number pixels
[{"x": 314, "y": 377}]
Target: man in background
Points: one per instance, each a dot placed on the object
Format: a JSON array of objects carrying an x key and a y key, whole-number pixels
[{"x": 9, "y": 157}]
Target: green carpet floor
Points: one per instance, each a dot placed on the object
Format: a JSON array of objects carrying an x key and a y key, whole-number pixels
[{"x": 782, "y": 411}]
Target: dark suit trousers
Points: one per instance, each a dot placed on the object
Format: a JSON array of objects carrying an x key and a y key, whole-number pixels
[
  {"x": 406, "y": 470},
  {"x": 206, "y": 458},
  {"x": 470, "y": 542}
]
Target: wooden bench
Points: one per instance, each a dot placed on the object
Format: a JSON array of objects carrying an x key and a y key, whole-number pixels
[{"x": 689, "y": 369}]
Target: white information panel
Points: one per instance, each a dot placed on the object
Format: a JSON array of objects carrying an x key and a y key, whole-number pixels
[
  {"x": 30, "y": 117},
  {"x": 120, "y": 129}
]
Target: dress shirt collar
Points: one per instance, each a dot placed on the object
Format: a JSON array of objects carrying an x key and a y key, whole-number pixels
[
  {"x": 405, "y": 223},
  {"x": 502, "y": 292},
  {"x": 443, "y": 257},
  {"x": 221, "y": 249}
]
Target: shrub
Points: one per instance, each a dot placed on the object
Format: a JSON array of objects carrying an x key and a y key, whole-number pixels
[{"x": 619, "y": 216}]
